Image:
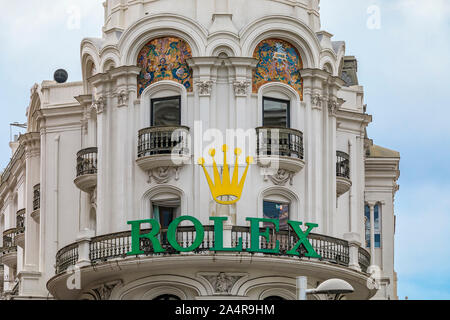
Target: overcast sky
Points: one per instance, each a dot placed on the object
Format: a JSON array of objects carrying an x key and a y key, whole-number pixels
[{"x": 403, "y": 50}]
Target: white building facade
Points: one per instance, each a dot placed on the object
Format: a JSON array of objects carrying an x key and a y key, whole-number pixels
[{"x": 98, "y": 154}]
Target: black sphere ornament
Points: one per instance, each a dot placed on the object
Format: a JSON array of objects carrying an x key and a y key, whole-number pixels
[{"x": 60, "y": 76}]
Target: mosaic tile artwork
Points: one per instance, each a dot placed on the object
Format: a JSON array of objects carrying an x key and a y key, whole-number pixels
[
  {"x": 279, "y": 61},
  {"x": 164, "y": 59}
]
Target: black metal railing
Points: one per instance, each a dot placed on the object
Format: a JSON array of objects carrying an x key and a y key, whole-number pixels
[
  {"x": 330, "y": 249},
  {"x": 36, "y": 197},
  {"x": 363, "y": 259},
  {"x": 117, "y": 245},
  {"x": 66, "y": 257},
  {"x": 87, "y": 161},
  {"x": 342, "y": 165},
  {"x": 20, "y": 221},
  {"x": 9, "y": 241},
  {"x": 163, "y": 140},
  {"x": 283, "y": 142}
]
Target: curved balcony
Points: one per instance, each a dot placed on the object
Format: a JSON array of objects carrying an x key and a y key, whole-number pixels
[
  {"x": 9, "y": 250},
  {"x": 106, "y": 257},
  {"x": 343, "y": 182},
  {"x": 87, "y": 169},
  {"x": 280, "y": 148},
  {"x": 20, "y": 224},
  {"x": 163, "y": 146}
]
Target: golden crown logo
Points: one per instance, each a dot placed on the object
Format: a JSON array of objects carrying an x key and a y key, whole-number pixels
[{"x": 223, "y": 190}]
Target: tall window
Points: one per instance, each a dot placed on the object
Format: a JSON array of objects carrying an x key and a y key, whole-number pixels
[
  {"x": 166, "y": 111},
  {"x": 276, "y": 113},
  {"x": 376, "y": 223},
  {"x": 278, "y": 211},
  {"x": 367, "y": 225},
  {"x": 377, "y": 226}
]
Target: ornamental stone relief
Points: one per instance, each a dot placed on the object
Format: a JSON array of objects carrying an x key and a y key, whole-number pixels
[
  {"x": 204, "y": 88},
  {"x": 163, "y": 175},
  {"x": 222, "y": 282},
  {"x": 241, "y": 88}
]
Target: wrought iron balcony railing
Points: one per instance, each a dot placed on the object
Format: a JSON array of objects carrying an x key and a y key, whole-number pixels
[
  {"x": 9, "y": 241},
  {"x": 342, "y": 165},
  {"x": 330, "y": 249},
  {"x": 163, "y": 140},
  {"x": 87, "y": 162},
  {"x": 36, "y": 197},
  {"x": 364, "y": 259},
  {"x": 117, "y": 245},
  {"x": 20, "y": 221},
  {"x": 284, "y": 142}
]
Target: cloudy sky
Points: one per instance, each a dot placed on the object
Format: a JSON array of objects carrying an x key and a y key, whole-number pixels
[{"x": 403, "y": 49}]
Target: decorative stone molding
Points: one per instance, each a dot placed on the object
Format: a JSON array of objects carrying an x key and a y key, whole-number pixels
[
  {"x": 32, "y": 143},
  {"x": 100, "y": 104},
  {"x": 282, "y": 177},
  {"x": 163, "y": 175},
  {"x": 316, "y": 101},
  {"x": 122, "y": 98},
  {"x": 241, "y": 88},
  {"x": 204, "y": 88},
  {"x": 222, "y": 283},
  {"x": 93, "y": 198},
  {"x": 332, "y": 106},
  {"x": 103, "y": 292}
]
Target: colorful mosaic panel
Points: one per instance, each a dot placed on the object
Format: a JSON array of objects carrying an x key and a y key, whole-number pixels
[
  {"x": 279, "y": 61},
  {"x": 164, "y": 59}
]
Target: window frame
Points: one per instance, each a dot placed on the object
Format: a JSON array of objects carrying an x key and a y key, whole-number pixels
[
  {"x": 288, "y": 111},
  {"x": 288, "y": 203},
  {"x": 152, "y": 102}
]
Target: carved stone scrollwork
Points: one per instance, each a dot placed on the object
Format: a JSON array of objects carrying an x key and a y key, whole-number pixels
[
  {"x": 163, "y": 175},
  {"x": 282, "y": 177},
  {"x": 222, "y": 282},
  {"x": 204, "y": 88},
  {"x": 241, "y": 88}
]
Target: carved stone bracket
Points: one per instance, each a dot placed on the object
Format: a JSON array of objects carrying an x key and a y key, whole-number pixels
[
  {"x": 222, "y": 282},
  {"x": 241, "y": 88},
  {"x": 163, "y": 175},
  {"x": 282, "y": 177},
  {"x": 204, "y": 88},
  {"x": 93, "y": 198}
]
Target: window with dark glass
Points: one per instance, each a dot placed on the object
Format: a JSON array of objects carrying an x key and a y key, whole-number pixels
[
  {"x": 377, "y": 226},
  {"x": 278, "y": 211},
  {"x": 166, "y": 111},
  {"x": 276, "y": 113}
]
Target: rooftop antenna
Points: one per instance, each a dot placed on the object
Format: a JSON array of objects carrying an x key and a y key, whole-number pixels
[{"x": 18, "y": 125}]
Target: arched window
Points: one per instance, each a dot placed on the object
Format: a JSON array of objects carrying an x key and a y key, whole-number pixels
[
  {"x": 278, "y": 208},
  {"x": 164, "y": 59},
  {"x": 278, "y": 61}
]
